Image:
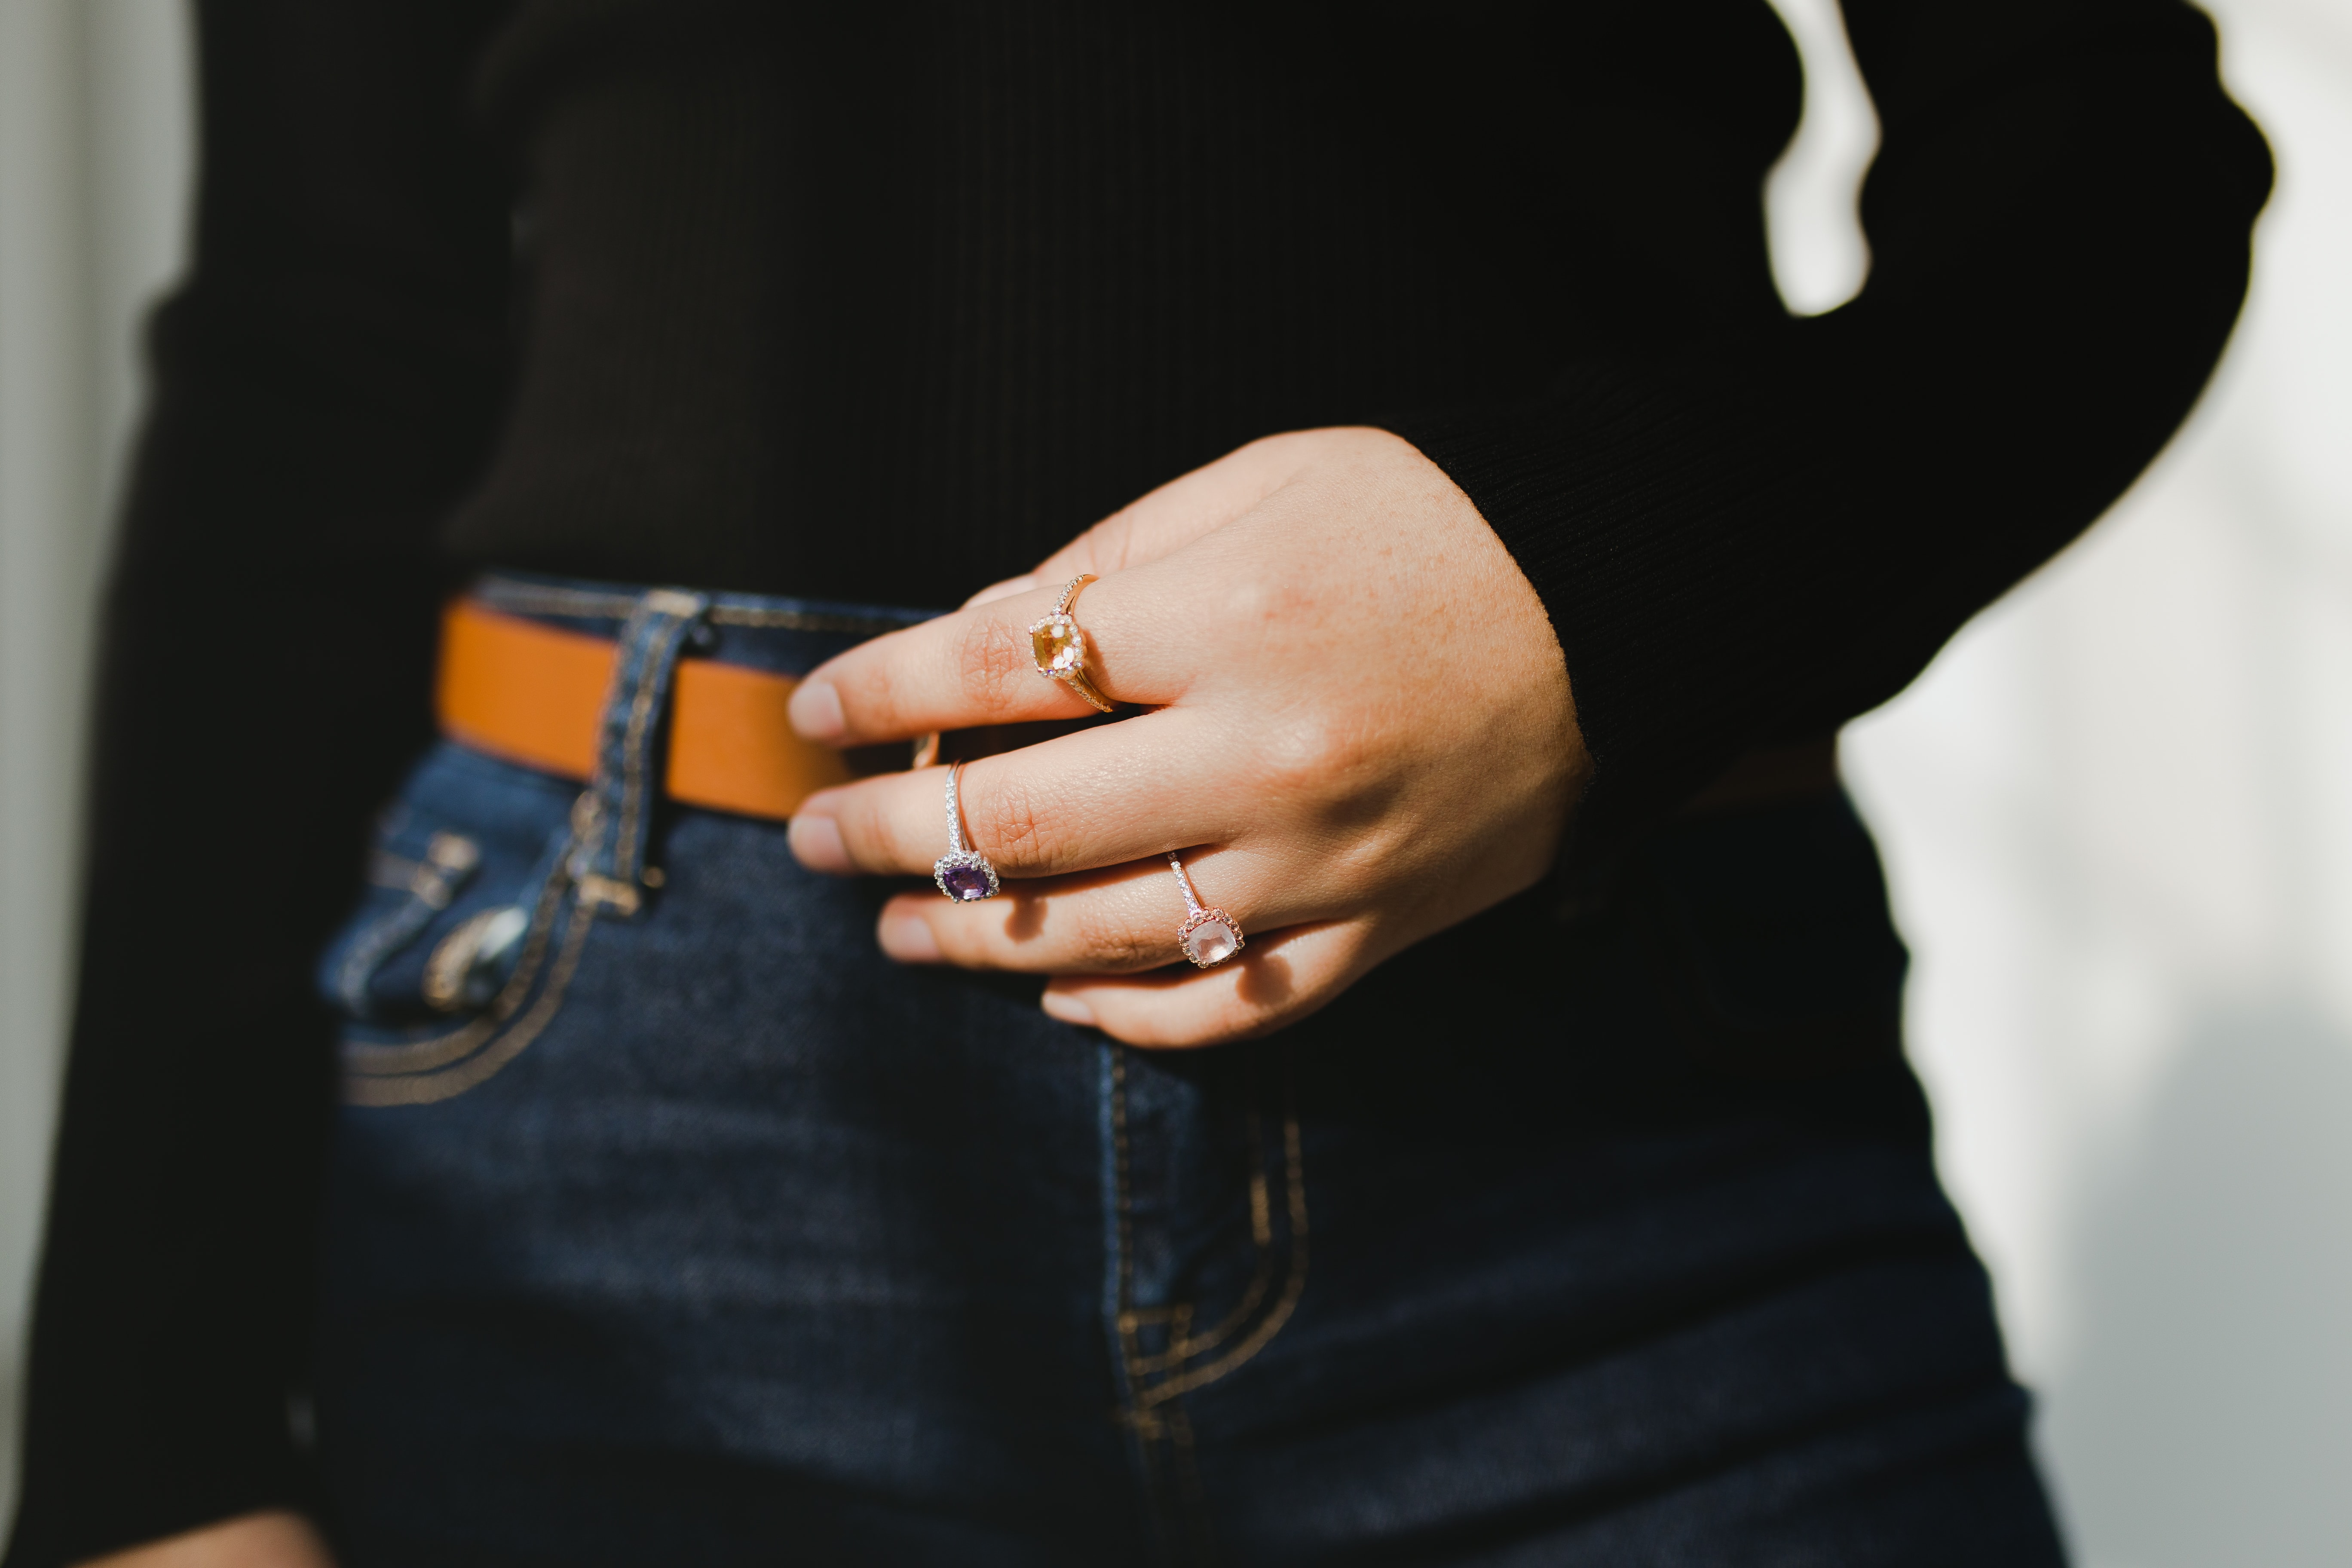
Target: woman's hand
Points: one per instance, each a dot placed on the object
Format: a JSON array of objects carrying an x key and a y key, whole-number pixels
[
  {"x": 1361, "y": 732},
  {"x": 272, "y": 1540}
]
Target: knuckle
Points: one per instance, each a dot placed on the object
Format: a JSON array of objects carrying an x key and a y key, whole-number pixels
[
  {"x": 992, "y": 655},
  {"x": 869, "y": 693},
  {"x": 867, "y": 829},
  {"x": 1105, "y": 547},
  {"x": 1316, "y": 756},
  {"x": 1106, "y": 937},
  {"x": 898, "y": 831},
  {"x": 1016, "y": 818}
]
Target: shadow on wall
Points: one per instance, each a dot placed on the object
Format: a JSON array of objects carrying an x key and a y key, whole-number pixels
[{"x": 2203, "y": 1424}]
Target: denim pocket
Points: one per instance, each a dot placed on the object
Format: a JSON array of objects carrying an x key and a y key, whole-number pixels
[{"x": 453, "y": 883}]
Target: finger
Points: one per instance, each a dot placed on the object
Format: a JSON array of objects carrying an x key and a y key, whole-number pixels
[
  {"x": 1112, "y": 921},
  {"x": 1098, "y": 797},
  {"x": 1158, "y": 524},
  {"x": 977, "y": 666},
  {"x": 1275, "y": 981}
]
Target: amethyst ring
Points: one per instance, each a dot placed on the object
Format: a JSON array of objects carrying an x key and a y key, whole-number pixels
[
  {"x": 1208, "y": 936},
  {"x": 963, "y": 874}
]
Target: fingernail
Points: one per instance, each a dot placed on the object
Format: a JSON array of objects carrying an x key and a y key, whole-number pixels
[
  {"x": 816, "y": 711},
  {"x": 908, "y": 939},
  {"x": 816, "y": 844},
  {"x": 1069, "y": 1009}
]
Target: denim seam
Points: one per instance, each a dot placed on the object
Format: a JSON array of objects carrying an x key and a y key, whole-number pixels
[
  {"x": 1149, "y": 1409},
  {"x": 424, "y": 1089},
  {"x": 364, "y": 1062},
  {"x": 430, "y": 887},
  {"x": 1193, "y": 1496},
  {"x": 1293, "y": 1285},
  {"x": 551, "y": 600},
  {"x": 799, "y": 620},
  {"x": 1184, "y": 1346}
]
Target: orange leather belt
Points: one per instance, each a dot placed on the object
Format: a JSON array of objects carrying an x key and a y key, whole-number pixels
[{"x": 532, "y": 694}]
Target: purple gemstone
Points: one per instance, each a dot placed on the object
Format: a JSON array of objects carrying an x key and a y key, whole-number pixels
[{"x": 966, "y": 882}]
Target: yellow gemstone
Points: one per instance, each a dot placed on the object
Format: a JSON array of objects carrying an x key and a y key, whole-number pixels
[{"x": 1059, "y": 646}]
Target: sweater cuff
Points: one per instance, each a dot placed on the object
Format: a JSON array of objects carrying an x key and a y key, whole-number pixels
[{"x": 1654, "y": 512}]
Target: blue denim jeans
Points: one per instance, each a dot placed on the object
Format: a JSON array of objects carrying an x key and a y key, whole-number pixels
[{"x": 670, "y": 1223}]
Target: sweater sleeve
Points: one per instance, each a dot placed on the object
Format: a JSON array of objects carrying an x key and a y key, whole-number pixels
[
  {"x": 1755, "y": 542},
  {"x": 325, "y": 381}
]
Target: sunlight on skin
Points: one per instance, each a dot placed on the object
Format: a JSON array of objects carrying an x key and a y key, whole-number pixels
[{"x": 1358, "y": 728}]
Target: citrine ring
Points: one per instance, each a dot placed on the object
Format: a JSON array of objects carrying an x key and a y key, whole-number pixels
[{"x": 1060, "y": 646}]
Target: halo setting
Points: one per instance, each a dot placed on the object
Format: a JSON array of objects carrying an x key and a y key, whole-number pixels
[
  {"x": 962, "y": 873},
  {"x": 964, "y": 876},
  {"x": 1059, "y": 647},
  {"x": 1209, "y": 936}
]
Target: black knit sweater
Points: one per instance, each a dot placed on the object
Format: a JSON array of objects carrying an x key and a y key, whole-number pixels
[{"x": 881, "y": 304}]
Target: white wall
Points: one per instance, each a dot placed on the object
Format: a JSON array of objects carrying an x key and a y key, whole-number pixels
[
  {"x": 2119, "y": 814},
  {"x": 94, "y": 131},
  {"x": 2119, "y": 809}
]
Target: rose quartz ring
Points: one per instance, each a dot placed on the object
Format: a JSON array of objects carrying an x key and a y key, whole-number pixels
[{"x": 1208, "y": 936}]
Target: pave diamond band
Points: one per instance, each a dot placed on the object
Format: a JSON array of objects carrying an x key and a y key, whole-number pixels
[
  {"x": 1059, "y": 647},
  {"x": 962, "y": 873},
  {"x": 1208, "y": 936}
]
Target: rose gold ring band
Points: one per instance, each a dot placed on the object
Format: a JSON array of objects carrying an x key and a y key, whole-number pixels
[{"x": 1059, "y": 645}]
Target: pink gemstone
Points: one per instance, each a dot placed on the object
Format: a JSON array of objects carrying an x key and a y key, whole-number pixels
[{"x": 1212, "y": 942}]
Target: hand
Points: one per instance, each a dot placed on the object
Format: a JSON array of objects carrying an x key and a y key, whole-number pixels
[
  {"x": 1360, "y": 733},
  {"x": 272, "y": 1540}
]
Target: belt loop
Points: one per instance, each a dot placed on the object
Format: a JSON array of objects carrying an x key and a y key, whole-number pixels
[{"x": 610, "y": 824}]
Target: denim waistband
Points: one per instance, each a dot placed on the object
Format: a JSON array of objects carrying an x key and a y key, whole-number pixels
[{"x": 760, "y": 631}]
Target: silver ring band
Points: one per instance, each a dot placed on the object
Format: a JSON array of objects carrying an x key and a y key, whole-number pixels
[{"x": 962, "y": 873}]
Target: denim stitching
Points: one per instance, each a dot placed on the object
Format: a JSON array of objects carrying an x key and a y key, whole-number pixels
[
  {"x": 431, "y": 885},
  {"x": 1152, "y": 1412},
  {"x": 426, "y": 1089},
  {"x": 548, "y": 599},
  {"x": 1144, "y": 1425},
  {"x": 800, "y": 620},
  {"x": 503, "y": 593},
  {"x": 1189, "y": 1491},
  {"x": 420, "y": 1056},
  {"x": 632, "y": 759},
  {"x": 1183, "y": 1345},
  {"x": 1293, "y": 1285},
  {"x": 422, "y": 1071}
]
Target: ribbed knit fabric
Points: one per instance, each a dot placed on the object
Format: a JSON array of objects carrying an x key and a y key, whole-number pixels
[
  {"x": 1757, "y": 538},
  {"x": 865, "y": 308},
  {"x": 886, "y": 304}
]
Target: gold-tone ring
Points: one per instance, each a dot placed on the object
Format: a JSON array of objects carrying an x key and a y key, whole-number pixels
[
  {"x": 1060, "y": 646},
  {"x": 1209, "y": 936}
]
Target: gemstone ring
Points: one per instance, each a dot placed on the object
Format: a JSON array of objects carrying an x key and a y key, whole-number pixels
[
  {"x": 1060, "y": 646},
  {"x": 962, "y": 874},
  {"x": 1208, "y": 936}
]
